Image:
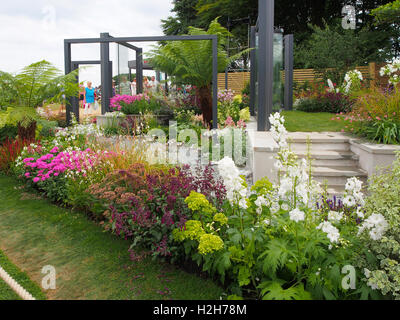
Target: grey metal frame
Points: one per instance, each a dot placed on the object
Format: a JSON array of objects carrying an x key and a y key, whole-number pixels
[
  {"x": 106, "y": 72},
  {"x": 288, "y": 99},
  {"x": 264, "y": 65}
]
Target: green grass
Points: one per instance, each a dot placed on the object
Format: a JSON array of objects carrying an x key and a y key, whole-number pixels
[
  {"x": 90, "y": 263},
  {"x": 299, "y": 121},
  {"x": 6, "y": 293}
]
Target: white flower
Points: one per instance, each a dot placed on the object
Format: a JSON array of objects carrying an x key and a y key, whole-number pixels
[
  {"x": 377, "y": 225},
  {"x": 331, "y": 231},
  {"x": 266, "y": 222},
  {"x": 285, "y": 207},
  {"x": 349, "y": 201},
  {"x": 360, "y": 212},
  {"x": 335, "y": 216},
  {"x": 367, "y": 273},
  {"x": 297, "y": 215}
]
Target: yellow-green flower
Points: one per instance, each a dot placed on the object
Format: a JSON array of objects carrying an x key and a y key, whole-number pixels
[
  {"x": 193, "y": 231},
  {"x": 262, "y": 186},
  {"x": 244, "y": 114},
  {"x": 221, "y": 218},
  {"x": 210, "y": 243},
  {"x": 198, "y": 202},
  {"x": 237, "y": 98}
]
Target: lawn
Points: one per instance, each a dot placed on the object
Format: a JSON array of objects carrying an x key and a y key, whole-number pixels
[
  {"x": 90, "y": 263},
  {"x": 6, "y": 293},
  {"x": 299, "y": 121}
]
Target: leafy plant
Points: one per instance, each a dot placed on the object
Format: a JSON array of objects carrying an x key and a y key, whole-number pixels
[
  {"x": 191, "y": 62},
  {"x": 37, "y": 83}
]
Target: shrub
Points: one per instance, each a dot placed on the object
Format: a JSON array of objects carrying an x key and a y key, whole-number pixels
[
  {"x": 375, "y": 115},
  {"x": 333, "y": 102},
  {"x": 7, "y": 133},
  {"x": 145, "y": 203},
  {"x": 381, "y": 264}
]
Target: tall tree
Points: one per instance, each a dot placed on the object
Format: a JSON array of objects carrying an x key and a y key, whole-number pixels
[
  {"x": 191, "y": 62},
  {"x": 294, "y": 17}
]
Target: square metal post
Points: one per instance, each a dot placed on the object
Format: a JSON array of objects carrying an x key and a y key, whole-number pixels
[
  {"x": 288, "y": 39},
  {"x": 139, "y": 70},
  {"x": 265, "y": 63},
  {"x": 106, "y": 76},
  {"x": 215, "y": 83},
  {"x": 75, "y": 100},
  {"x": 253, "y": 71},
  {"x": 67, "y": 66}
]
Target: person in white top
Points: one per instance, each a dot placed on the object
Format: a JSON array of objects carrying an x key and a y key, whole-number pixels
[
  {"x": 154, "y": 84},
  {"x": 133, "y": 87}
]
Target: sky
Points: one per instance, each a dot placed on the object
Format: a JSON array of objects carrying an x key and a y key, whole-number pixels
[{"x": 31, "y": 31}]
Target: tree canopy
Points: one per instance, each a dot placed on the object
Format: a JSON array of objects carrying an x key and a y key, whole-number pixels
[{"x": 295, "y": 17}]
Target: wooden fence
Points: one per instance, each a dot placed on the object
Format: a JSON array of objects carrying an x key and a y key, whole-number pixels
[{"x": 238, "y": 80}]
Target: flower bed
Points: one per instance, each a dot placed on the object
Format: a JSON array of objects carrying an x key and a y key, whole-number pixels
[{"x": 283, "y": 241}]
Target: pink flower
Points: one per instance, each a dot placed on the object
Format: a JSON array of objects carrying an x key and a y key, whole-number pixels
[
  {"x": 377, "y": 118},
  {"x": 36, "y": 179},
  {"x": 27, "y": 174},
  {"x": 54, "y": 150}
]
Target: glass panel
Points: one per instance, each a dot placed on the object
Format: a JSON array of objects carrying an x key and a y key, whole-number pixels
[
  {"x": 278, "y": 68},
  {"x": 256, "y": 68},
  {"x": 121, "y": 74}
]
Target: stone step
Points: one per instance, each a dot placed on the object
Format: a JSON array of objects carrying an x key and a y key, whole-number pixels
[
  {"x": 320, "y": 146},
  {"x": 326, "y": 158},
  {"x": 337, "y": 175},
  {"x": 337, "y": 191},
  {"x": 320, "y": 141},
  {"x": 318, "y": 137}
]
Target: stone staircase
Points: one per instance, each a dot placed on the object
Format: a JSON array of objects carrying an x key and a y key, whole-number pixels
[{"x": 333, "y": 162}]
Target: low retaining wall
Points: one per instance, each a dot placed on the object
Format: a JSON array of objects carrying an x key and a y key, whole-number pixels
[
  {"x": 373, "y": 156},
  {"x": 263, "y": 150}
]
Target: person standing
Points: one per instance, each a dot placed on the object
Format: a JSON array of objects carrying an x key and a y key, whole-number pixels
[
  {"x": 133, "y": 87},
  {"x": 154, "y": 84},
  {"x": 89, "y": 97},
  {"x": 125, "y": 87},
  {"x": 81, "y": 95}
]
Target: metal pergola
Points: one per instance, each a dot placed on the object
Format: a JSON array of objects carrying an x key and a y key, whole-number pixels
[{"x": 106, "y": 66}]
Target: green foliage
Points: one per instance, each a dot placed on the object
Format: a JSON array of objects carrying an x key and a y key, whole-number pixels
[
  {"x": 46, "y": 128},
  {"x": 388, "y": 13},
  {"x": 191, "y": 61},
  {"x": 384, "y": 199},
  {"x": 376, "y": 116},
  {"x": 36, "y": 83},
  {"x": 384, "y": 131},
  {"x": 7, "y": 132},
  {"x": 340, "y": 49}
]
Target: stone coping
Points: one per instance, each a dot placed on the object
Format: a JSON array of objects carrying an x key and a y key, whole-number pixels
[{"x": 375, "y": 148}]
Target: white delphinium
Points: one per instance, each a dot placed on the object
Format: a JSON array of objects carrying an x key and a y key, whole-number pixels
[
  {"x": 335, "y": 216},
  {"x": 389, "y": 70},
  {"x": 297, "y": 215},
  {"x": 331, "y": 231},
  {"x": 331, "y": 86},
  {"x": 261, "y": 202},
  {"x": 353, "y": 195},
  {"x": 351, "y": 78},
  {"x": 376, "y": 224},
  {"x": 236, "y": 191}
]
